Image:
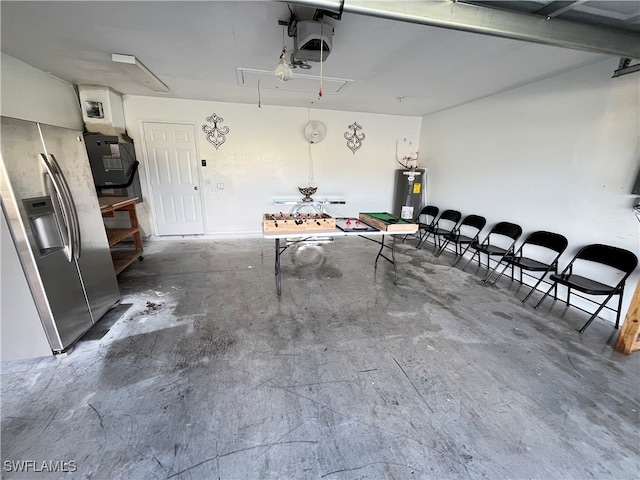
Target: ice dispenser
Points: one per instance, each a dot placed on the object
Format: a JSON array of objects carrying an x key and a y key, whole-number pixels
[{"x": 44, "y": 225}]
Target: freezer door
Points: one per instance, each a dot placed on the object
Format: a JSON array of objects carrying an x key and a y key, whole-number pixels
[
  {"x": 53, "y": 279},
  {"x": 67, "y": 151}
]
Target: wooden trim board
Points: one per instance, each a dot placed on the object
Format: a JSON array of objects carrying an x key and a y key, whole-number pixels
[{"x": 627, "y": 341}]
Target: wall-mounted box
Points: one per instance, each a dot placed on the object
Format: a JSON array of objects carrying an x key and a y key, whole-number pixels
[{"x": 102, "y": 110}]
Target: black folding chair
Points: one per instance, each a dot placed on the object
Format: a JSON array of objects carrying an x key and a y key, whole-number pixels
[
  {"x": 578, "y": 275},
  {"x": 500, "y": 241},
  {"x": 444, "y": 225},
  {"x": 466, "y": 233},
  {"x": 539, "y": 252},
  {"x": 426, "y": 221}
]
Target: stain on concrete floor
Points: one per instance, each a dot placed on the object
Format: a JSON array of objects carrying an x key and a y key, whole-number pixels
[{"x": 208, "y": 374}]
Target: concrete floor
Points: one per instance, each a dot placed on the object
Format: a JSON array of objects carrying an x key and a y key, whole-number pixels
[{"x": 204, "y": 373}]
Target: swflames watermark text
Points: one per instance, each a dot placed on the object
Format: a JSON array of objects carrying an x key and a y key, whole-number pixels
[{"x": 39, "y": 466}]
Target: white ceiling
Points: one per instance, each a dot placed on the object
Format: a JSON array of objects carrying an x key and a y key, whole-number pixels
[{"x": 196, "y": 48}]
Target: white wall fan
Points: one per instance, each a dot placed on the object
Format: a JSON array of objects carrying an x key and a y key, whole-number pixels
[{"x": 315, "y": 131}]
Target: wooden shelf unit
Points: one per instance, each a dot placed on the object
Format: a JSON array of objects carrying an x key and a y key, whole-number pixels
[
  {"x": 122, "y": 257},
  {"x": 116, "y": 235}
]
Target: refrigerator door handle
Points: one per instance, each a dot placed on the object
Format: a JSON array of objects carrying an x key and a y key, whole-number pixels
[
  {"x": 63, "y": 204},
  {"x": 72, "y": 207}
]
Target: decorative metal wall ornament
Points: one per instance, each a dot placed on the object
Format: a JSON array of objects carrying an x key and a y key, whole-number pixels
[
  {"x": 215, "y": 135},
  {"x": 354, "y": 139}
]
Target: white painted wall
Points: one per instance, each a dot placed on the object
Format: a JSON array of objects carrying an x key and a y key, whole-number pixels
[
  {"x": 559, "y": 155},
  {"x": 265, "y": 156},
  {"x": 31, "y": 94}
]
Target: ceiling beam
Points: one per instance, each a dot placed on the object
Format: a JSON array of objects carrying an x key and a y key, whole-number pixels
[
  {"x": 496, "y": 22},
  {"x": 554, "y": 9}
]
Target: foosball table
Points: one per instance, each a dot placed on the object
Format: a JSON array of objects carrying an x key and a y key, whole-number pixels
[{"x": 297, "y": 222}]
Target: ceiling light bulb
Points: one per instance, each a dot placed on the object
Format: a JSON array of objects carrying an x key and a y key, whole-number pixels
[{"x": 283, "y": 71}]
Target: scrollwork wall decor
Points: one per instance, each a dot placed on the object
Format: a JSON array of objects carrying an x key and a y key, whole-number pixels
[
  {"x": 215, "y": 135},
  {"x": 354, "y": 139}
]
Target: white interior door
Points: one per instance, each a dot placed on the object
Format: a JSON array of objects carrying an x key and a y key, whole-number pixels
[{"x": 174, "y": 178}]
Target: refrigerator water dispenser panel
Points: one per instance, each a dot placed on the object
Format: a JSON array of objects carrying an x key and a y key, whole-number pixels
[{"x": 44, "y": 226}]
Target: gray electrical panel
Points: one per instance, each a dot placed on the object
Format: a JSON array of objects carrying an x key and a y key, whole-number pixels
[
  {"x": 112, "y": 164},
  {"x": 410, "y": 191}
]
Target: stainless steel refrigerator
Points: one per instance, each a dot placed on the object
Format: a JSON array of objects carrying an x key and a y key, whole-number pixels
[{"x": 52, "y": 211}]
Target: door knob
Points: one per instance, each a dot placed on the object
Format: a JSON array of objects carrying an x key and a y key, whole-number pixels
[{"x": 195, "y": 188}]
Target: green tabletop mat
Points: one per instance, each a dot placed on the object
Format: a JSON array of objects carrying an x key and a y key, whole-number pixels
[{"x": 387, "y": 217}]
